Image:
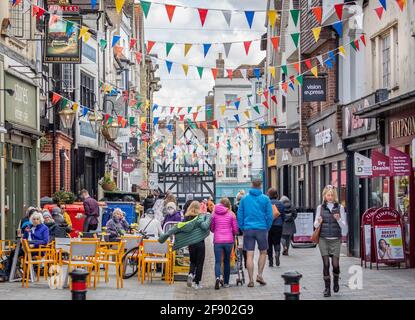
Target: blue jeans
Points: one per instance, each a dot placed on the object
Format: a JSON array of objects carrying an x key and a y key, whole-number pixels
[{"x": 226, "y": 248}]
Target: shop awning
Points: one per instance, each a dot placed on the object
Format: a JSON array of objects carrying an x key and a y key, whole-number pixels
[{"x": 387, "y": 107}]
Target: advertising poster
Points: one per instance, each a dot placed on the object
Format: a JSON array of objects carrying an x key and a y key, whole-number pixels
[
  {"x": 400, "y": 163},
  {"x": 62, "y": 44},
  {"x": 368, "y": 241},
  {"x": 389, "y": 244},
  {"x": 304, "y": 227},
  {"x": 362, "y": 165}
]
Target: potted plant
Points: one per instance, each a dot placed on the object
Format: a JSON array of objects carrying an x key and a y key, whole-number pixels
[
  {"x": 63, "y": 197},
  {"x": 107, "y": 183}
]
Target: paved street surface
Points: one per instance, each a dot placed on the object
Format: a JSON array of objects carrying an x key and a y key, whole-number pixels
[{"x": 389, "y": 283}]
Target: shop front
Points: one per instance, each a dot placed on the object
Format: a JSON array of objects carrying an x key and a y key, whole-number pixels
[{"x": 20, "y": 150}]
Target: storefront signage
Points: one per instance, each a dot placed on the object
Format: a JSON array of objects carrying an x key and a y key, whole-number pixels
[
  {"x": 21, "y": 107},
  {"x": 362, "y": 165},
  {"x": 353, "y": 126},
  {"x": 403, "y": 127},
  {"x": 285, "y": 140},
  {"x": 323, "y": 137},
  {"x": 314, "y": 89},
  {"x": 304, "y": 227},
  {"x": 380, "y": 164},
  {"x": 72, "y": 5},
  {"x": 61, "y": 47},
  {"x": 272, "y": 155},
  {"x": 128, "y": 165},
  {"x": 64, "y": 9},
  {"x": 400, "y": 163},
  {"x": 133, "y": 146}
]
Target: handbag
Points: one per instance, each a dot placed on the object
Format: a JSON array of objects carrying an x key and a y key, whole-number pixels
[{"x": 315, "y": 237}]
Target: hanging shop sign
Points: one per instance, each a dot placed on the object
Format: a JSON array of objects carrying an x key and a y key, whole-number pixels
[
  {"x": 20, "y": 107},
  {"x": 353, "y": 126},
  {"x": 400, "y": 163},
  {"x": 86, "y": 129},
  {"x": 362, "y": 165},
  {"x": 61, "y": 46},
  {"x": 71, "y": 6},
  {"x": 89, "y": 52},
  {"x": 284, "y": 140},
  {"x": 128, "y": 165},
  {"x": 304, "y": 227},
  {"x": 133, "y": 147},
  {"x": 380, "y": 164},
  {"x": 272, "y": 155},
  {"x": 314, "y": 89}
]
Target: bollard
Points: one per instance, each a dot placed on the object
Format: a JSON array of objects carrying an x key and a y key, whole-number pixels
[
  {"x": 79, "y": 290},
  {"x": 292, "y": 285}
]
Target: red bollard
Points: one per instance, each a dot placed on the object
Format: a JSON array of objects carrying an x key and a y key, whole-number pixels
[
  {"x": 292, "y": 285},
  {"x": 79, "y": 289}
]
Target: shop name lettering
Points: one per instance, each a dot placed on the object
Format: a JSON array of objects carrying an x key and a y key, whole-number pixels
[
  {"x": 380, "y": 166},
  {"x": 403, "y": 127},
  {"x": 21, "y": 96},
  {"x": 314, "y": 89},
  {"x": 323, "y": 137},
  {"x": 388, "y": 233}
]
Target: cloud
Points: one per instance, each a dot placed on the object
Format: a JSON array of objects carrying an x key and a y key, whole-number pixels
[{"x": 186, "y": 28}]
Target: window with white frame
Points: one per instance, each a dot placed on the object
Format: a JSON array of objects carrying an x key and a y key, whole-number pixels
[
  {"x": 386, "y": 61},
  {"x": 231, "y": 170},
  {"x": 20, "y": 19},
  {"x": 67, "y": 72},
  {"x": 258, "y": 89}
]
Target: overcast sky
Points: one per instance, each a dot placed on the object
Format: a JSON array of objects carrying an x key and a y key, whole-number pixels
[{"x": 186, "y": 27}]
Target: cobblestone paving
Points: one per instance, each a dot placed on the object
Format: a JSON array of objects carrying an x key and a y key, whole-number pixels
[{"x": 386, "y": 283}]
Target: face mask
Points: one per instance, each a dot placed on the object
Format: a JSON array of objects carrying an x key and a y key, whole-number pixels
[{"x": 170, "y": 211}]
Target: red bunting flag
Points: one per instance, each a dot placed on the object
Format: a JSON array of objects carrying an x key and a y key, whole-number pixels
[
  {"x": 202, "y": 14},
  {"x": 356, "y": 44},
  {"x": 119, "y": 119},
  {"x": 144, "y": 126},
  {"x": 265, "y": 103},
  {"x": 214, "y": 73},
  {"x": 150, "y": 45},
  {"x": 297, "y": 67},
  {"x": 215, "y": 124},
  {"x": 181, "y": 117},
  {"x": 107, "y": 117},
  {"x": 274, "y": 120},
  {"x": 56, "y": 98},
  {"x": 132, "y": 43},
  {"x": 230, "y": 73},
  {"x": 363, "y": 39},
  {"x": 318, "y": 13},
  {"x": 195, "y": 115},
  {"x": 171, "y": 109},
  {"x": 37, "y": 11},
  {"x": 284, "y": 86},
  {"x": 275, "y": 42},
  {"x": 170, "y": 11},
  {"x": 133, "y": 102},
  {"x": 401, "y": 4},
  {"x": 138, "y": 56},
  {"x": 204, "y": 124},
  {"x": 266, "y": 94},
  {"x": 247, "y": 45},
  {"x": 274, "y": 98},
  {"x": 339, "y": 10},
  {"x": 180, "y": 109},
  {"x": 379, "y": 12},
  {"x": 308, "y": 63}
]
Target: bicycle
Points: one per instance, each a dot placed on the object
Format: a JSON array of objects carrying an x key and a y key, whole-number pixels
[{"x": 131, "y": 257}]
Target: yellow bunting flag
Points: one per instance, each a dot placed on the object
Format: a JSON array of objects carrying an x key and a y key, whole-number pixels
[
  {"x": 142, "y": 120},
  {"x": 82, "y": 32},
  {"x": 181, "y": 126},
  {"x": 222, "y": 109},
  {"x": 87, "y": 36},
  {"x": 185, "y": 69},
  {"x": 187, "y": 47},
  {"x": 314, "y": 71},
  {"x": 342, "y": 51},
  {"x": 272, "y": 71},
  {"x": 75, "y": 106},
  {"x": 316, "y": 33},
  {"x": 272, "y": 17},
  {"x": 247, "y": 114},
  {"x": 148, "y": 104},
  {"x": 198, "y": 108},
  {"x": 119, "y": 4}
]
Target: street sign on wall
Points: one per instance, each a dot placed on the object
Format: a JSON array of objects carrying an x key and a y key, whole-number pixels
[{"x": 314, "y": 89}]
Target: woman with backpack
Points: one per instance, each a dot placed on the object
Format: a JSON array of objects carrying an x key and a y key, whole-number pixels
[{"x": 288, "y": 227}]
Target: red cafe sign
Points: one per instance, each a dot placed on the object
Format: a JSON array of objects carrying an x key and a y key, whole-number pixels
[{"x": 128, "y": 165}]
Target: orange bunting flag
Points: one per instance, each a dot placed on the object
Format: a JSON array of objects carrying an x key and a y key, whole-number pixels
[
  {"x": 318, "y": 13},
  {"x": 284, "y": 86},
  {"x": 139, "y": 57},
  {"x": 56, "y": 98},
  {"x": 247, "y": 45},
  {"x": 214, "y": 73},
  {"x": 150, "y": 45},
  {"x": 132, "y": 43},
  {"x": 339, "y": 10},
  {"x": 118, "y": 51},
  {"x": 401, "y": 4},
  {"x": 54, "y": 18},
  {"x": 119, "y": 118},
  {"x": 123, "y": 123},
  {"x": 297, "y": 67},
  {"x": 202, "y": 14},
  {"x": 230, "y": 73},
  {"x": 275, "y": 42},
  {"x": 204, "y": 124},
  {"x": 195, "y": 116},
  {"x": 170, "y": 11}
]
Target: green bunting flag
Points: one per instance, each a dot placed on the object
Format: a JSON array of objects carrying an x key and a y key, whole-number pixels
[
  {"x": 295, "y": 15},
  {"x": 64, "y": 102},
  {"x": 200, "y": 71},
  {"x": 256, "y": 108},
  {"x": 69, "y": 27},
  {"x": 132, "y": 121},
  {"x": 110, "y": 120},
  {"x": 296, "y": 38},
  {"x": 138, "y": 105},
  {"x": 209, "y": 113},
  {"x": 146, "y": 7},
  {"x": 103, "y": 44},
  {"x": 169, "y": 45},
  {"x": 300, "y": 79},
  {"x": 284, "y": 69},
  {"x": 189, "y": 109}
]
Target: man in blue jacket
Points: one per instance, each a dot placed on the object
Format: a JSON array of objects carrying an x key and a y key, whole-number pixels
[{"x": 255, "y": 219}]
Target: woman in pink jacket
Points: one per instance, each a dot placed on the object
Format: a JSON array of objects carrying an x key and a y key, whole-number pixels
[{"x": 225, "y": 227}]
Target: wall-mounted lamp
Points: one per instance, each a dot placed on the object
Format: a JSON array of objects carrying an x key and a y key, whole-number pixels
[{"x": 9, "y": 91}]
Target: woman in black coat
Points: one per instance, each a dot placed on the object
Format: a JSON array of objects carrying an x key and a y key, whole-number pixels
[{"x": 288, "y": 227}]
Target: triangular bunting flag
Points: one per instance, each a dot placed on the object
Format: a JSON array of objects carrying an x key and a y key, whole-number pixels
[
  {"x": 295, "y": 37},
  {"x": 206, "y": 47},
  {"x": 103, "y": 44},
  {"x": 82, "y": 32},
  {"x": 170, "y": 11},
  {"x": 247, "y": 114},
  {"x": 55, "y": 98},
  {"x": 300, "y": 79},
  {"x": 145, "y": 5},
  {"x": 54, "y": 18},
  {"x": 230, "y": 73},
  {"x": 195, "y": 116},
  {"x": 342, "y": 51},
  {"x": 314, "y": 71},
  {"x": 117, "y": 50},
  {"x": 169, "y": 65},
  {"x": 272, "y": 17},
  {"x": 222, "y": 109},
  {"x": 339, "y": 10},
  {"x": 189, "y": 109},
  {"x": 257, "y": 73},
  {"x": 297, "y": 67},
  {"x": 284, "y": 69},
  {"x": 155, "y": 121},
  {"x": 383, "y": 3},
  {"x": 266, "y": 94},
  {"x": 338, "y": 26},
  {"x": 200, "y": 71},
  {"x": 274, "y": 98},
  {"x": 308, "y": 63},
  {"x": 256, "y": 108},
  {"x": 38, "y": 12},
  {"x": 185, "y": 69},
  {"x": 87, "y": 36},
  {"x": 379, "y": 12},
  {"x": 214, "y": 73},
  {"x": 138, "y": 56},
  {"x": 150, "y": 45},
  {"x": 250, "y": 17},
  {"x": 237, "y": 103},
  {"x": 133, "y": 41},
  {"x": 272, "y": 72},
  {"x": 236, "y": 116},
  {"x": 227, "y": 47},
  {"x": 169, "y": 45},
  {"x": 318, "y": 13},
  {"x": 187, "y": 47},
  {"x": 316, "y": 33},
  {"x": 265, "y": 103},
  {"x": 118, "y": 5},
  {"x": 275, "y": 42},
  {"x": 181, "y": 117},
  {"x": 115, "y": 40},
  {"x": 401, "y": 4},
  {"x": 69, "y": 28},
  {"x": 247, "y": 45},
  {"x": 215, "y": 124},
  {"x": 202, "y": 14},
  {"x": 363, "y": 39},
  {"x": 228, "y": 16},
  {"x": 294, "y": 15}
]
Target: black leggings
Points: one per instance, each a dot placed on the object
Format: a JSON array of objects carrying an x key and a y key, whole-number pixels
[
  {"x": 274, "y": 241},
  {"x": 197, "y": 259},
  {"x": 326, "y": 265}
]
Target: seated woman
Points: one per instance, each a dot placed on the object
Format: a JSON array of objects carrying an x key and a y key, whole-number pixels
[
  {"x": 117, "y": 226},
  {"x": 150, "y": 225},
  {"x": 38, "y": 235}
]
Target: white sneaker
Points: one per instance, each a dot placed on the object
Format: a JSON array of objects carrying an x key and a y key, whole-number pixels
[
  {"x": 227, "y": 285},
  {"x": 197, "y": 286},
  {"x": 190, "y": 280}
]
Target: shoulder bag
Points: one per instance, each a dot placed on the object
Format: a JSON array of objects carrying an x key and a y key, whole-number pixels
[{"x": 315, "y": 237}]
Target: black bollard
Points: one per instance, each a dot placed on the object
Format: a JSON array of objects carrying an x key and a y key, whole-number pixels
[
  {"x": 292, "y": 285},
  {"x": 79, "y": 289}
]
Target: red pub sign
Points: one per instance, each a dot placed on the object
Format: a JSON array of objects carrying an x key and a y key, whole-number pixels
[{"x": 128, "y": 165}]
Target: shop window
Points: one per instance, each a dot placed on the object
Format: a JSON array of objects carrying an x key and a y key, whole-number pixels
[
  {"x": 87, "y": 90},
  {"x": 231, "y": 171},
  {"x": 189, "y": 184}
]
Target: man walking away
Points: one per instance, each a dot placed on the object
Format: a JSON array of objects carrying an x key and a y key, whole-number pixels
[
  {"x": 255, "y": 219},
  {"x": 91, "y": 212}
]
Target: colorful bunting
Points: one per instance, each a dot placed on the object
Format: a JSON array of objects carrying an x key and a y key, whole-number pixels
[
  {"x": 170, "y": 11},
  {"x": 256, "y": 108},
  {"x": 250, "y": 17},
  {"x": 363, "y": 39},
  {"x": 300, "y": 79},
  {"x": 118, "y": 50},
  {"x": 272, "y": 17},
  {"x": 247, "y": 114},
  {"x": 139, "y": 57},
  {"x": 275, "y": 42},
  {"x": 338, "y": 26},
  {"x": 342, "y": 51},
  {"x": 237, "y": 103},
  {"x": 284, "y": 69},
  {"x": 257, "y": 73},
  {"x": 265, "y": 103},
  {"x": 314, "y": 71},
  {"x": 103, "y": 44},
  {"x": 53, "y": 19},
  {"x": 247, "y": 45},
  {"x": 227, "y": 47},
  {"x": 155, "y": 121},
  {"x": 133, "y": 42},
  {"x": 383, "y": 3},
  {"x": 202, "y": 14},
  {"x": 169, "y": 45},
  {"x": 56, "y": 98},
  {"x": 230, "y": 73},
  {"x": 308, "y": 63},
  {"x": 187, "y": 47},
  {"x": 118, "y": 5},
  {"x": 318, "y": 13},
  {"x": 297, "y": 67},
  {"x": 16, "y": 2},
  {"x": 236, "y": 116},
  {"x": 339, "y": 10},
  {"x": 37, "y": 11},
  {"x": 272, "y": 71},
  {"x": 169, "y": 65},
  {"x": 222, "y": 109},
  {"x": 379, "y": 12},
  {"x": 401, "y": 4},
  {"x": 295, "y": 37},
  {"x": 145, "y": 5},
  {"x": 274, "y": 98},
  {"x": 69, "y": 28},
  {"x": 227, "y": 14},
  {"x": 200, "y": 71},
  {"x": 185, "y": 69},
  {"x": 206, "y": 47},
  {"x": 115, "y": 40},
  {"x": 294, "y": 15},
  {"x": 84, "y": 111},
  {"x": 214, "y": 73},
  {"x": 150, "y": 45},
  {"x": 316, "y": 33}
]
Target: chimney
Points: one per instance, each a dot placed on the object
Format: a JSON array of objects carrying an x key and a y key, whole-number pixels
[{"x": 220, "y": 65}]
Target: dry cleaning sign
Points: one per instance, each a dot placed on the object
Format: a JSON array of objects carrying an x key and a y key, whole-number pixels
[{"x": 314, "y": 89}]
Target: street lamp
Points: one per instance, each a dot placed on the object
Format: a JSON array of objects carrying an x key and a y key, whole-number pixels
[
  {"x": 67, "y": 117},
  {"x": 110, "y": 131}
]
